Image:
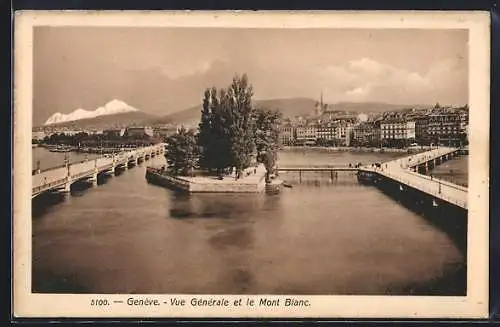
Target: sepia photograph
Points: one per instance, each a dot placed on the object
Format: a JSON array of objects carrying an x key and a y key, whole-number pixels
[{"x": 250, "y": 164}]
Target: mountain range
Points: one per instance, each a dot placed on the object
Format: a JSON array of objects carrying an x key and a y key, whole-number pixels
[
  {"x": 117, "y": 113},
  {"x": 113, "y": 107}
]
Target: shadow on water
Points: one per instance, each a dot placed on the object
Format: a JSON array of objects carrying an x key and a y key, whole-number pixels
[
  {"x": 453, "y": 282},
  {"x": 42, "y": 203},
  {"x": 449, "y": 219},
  {"x": 446, "y": 217},
  {"x": 48, "y": 282},
  {"x": 213, "y": 205}
]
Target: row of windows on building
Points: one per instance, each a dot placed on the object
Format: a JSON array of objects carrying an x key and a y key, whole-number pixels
[{"x": 386, "y": 130}]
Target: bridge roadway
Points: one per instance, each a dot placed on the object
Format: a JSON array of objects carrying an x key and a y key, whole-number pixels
[
  {"x": 405, "y": 171},
  {"x": 61, "y": 178},
  {"x": 408, "y": 171}
]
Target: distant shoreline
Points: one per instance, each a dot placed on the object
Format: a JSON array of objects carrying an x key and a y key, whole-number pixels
[{"x": 354, "y": 149}]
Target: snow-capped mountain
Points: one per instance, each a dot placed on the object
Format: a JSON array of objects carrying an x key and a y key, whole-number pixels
[{"x": 111, "y": 108}]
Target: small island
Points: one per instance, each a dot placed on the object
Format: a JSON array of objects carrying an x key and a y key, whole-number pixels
[{"x": 233, "y": 150}]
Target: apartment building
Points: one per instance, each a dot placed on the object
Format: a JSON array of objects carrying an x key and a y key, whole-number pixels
[
  {"x": 445, "y": 128},
  {"x": 287, "y": 134},
  {"x": 306, "y": 133},
  {"x": 365, "y": 134}
]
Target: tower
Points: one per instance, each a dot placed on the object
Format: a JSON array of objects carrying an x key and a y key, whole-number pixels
[{"x": 320, "y": 106}]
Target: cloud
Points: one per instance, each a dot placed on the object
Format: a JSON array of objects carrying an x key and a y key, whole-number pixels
[
  {"x": 358, "y": 91},
  {"x": 199, "y": 68},
  {"x": 370, "y": 80}
]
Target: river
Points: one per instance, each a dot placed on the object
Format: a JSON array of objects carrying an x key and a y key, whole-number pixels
[{"x": 127, "y": 236}]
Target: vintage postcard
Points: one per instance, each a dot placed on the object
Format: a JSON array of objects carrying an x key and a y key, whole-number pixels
[{"x": 251, "y": 164}]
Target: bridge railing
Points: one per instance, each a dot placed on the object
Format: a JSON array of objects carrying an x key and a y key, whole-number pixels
[
  {"x": 427, "y": 189},
  {"x": 54, "y": 176},
  {"x": 420, "y": 158},
  {"x": 82, "y": 174},
  {"x": 50, "y": 176},
  {"x": 326, "y": 166},
  {"x": 48, "y": 186},
  {"x": 84, "y": 166},
  {"x": 437, "y": 180}
]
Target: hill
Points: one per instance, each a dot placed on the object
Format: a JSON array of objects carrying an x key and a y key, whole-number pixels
[
  {"x": 289, "y": 107},
  {"x": 118, "y": 120},
  {"x": 374, "y": 107}
]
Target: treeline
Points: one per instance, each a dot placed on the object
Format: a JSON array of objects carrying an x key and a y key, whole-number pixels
[
  {"x": 84, "y": 139},
  {"x": 231, "y": 134}
]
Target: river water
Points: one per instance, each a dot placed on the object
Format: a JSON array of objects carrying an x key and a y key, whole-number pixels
[{"x": 127, "y": 236}]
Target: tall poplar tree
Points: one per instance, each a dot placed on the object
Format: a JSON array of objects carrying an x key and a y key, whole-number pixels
[
  {"x": 239, "y": 98},
  {"x": 205, "y": 136}
]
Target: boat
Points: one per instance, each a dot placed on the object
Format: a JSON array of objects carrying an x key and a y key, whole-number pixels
[
  {"x": 366, "y": 176},
  {"x": 60, "y": 149}
]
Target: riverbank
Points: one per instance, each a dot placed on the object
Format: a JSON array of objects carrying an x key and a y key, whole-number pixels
[
  {"x": 253, "y": 181},
  {"x": 94, "y": 150},
  {"x": 357, "y": 149}
]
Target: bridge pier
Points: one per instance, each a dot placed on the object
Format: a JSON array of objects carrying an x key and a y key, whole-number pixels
[
  {"x": 93, "y": 179},
  {"x": 66, "y": 189}
]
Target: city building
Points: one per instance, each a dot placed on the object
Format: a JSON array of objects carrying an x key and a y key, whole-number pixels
[
  {"x": 464, "y": 118},
  {"x": 397, "y": 132},
  {"x": 344, "y": 133},
  {"x": 306, "y": 133},
  {"x": 421, "y": 130},
  {"x": 326, "y": 133},
  {"x": 365, "y": 134},
  {"x": 445, "y": 129},
  {"x": 115, "y": 132},
  {"x": 37, "y": 135},
  {"x": 287, "y": 134},
  {"x": 165, "y": 130},
  {"x": 139, "y": 131}
]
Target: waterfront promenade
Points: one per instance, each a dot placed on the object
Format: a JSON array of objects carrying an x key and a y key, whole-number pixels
[{"x": 60, "y": 178}]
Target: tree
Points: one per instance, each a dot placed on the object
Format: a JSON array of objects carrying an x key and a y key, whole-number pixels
[
  {"x": 226, "y": 128},
  {"x": 220, "y": 132},
  {"x": 181, "y": 152},
  {"x": 205, "y": 137},
  {"x": 266, "y": 133},
  {"x": 238, "y": 100}
]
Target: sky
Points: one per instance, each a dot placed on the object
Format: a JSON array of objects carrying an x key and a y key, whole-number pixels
[{"x": 162, "y": 70}]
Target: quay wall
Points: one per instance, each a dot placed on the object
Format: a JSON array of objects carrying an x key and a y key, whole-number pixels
[{"x": 207, "y": 185}]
